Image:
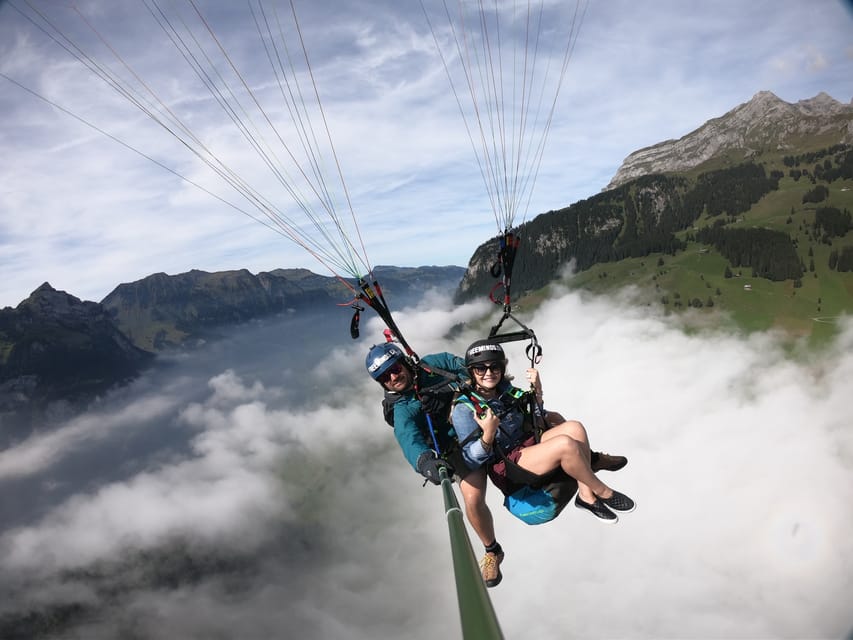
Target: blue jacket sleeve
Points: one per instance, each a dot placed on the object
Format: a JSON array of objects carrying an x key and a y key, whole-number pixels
[
  {"x": 410, "y": 427},
  {"x": 448, "y": 362},
  {"x": 407, "y": 430},
  {"x": 464, "y": 424}
]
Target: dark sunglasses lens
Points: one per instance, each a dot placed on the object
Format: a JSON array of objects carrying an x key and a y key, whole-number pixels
[
  {"x": 395, "y": 370},
  {"x": 492, "y": 366}
]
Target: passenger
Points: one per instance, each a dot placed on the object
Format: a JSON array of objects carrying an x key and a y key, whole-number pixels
[{"x": 491, "y": 408}]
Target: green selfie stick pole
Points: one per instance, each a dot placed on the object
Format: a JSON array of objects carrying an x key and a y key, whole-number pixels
[{"x": 479, "y": 621}]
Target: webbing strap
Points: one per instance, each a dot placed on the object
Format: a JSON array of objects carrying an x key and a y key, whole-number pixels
[
  {"x": 448, "y": 378},
  {"x": 508, "y": 247},
  {"x": 372, "y": 295},
  {"x": 533, "y": 350}
]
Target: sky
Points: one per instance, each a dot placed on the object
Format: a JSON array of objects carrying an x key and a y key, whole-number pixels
[
  {"x": 253, "y": 490},
  {"x": 84, "y": 213}
]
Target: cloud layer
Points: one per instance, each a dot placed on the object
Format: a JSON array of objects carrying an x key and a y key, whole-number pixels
[{"x": 270, "y": 495}]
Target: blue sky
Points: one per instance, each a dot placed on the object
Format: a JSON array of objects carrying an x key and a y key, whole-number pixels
[{"x": 82, "y": 212}]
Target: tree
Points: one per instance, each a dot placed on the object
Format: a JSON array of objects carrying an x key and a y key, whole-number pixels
[
  {"x": 833, "y": 259},
  {"x": 819, "y": 193},
  {"x": 727, "y": 273},
  {"x": 845, "y": 259}
]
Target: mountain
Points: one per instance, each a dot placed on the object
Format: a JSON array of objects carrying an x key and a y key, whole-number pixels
[
  {"x": 54, "y": 346},
  {"x": 57, "y": 352},
  {"x": 764, "y": 123},
  {"x": 764, "y": 192},
  {"x": 164, "y": 312},
  {"x": 757, "y": 201}
]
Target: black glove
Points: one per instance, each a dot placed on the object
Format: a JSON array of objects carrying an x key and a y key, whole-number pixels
[
  {"x": 429, "y": 464},
  {"x": 437, "y": 402},
  {"x": 432, "y": 403}
]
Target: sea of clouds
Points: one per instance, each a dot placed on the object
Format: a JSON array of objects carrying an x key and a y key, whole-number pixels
[{"x": 252, "y": 490}]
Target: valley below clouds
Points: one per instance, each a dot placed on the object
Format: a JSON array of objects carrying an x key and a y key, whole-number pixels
[{"x": 251, "y": 489}]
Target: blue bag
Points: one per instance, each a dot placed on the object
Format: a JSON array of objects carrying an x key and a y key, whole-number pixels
[{"x": 537, "y": 505}]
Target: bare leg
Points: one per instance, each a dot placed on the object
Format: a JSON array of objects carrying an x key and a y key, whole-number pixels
[
  {"x": 572, "y": 428},
  {"x": 473, "y": 488},
  {"x": 572, "y": 456}
]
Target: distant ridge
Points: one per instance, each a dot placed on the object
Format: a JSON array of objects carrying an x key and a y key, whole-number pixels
[
  {"x": 57, "y": 352},
  {"x": 163, "y": 312}
]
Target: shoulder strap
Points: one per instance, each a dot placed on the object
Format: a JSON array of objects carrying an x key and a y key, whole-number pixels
[
  {"x": 388, "y": 401},
  {"x": 447, "y": 377}
]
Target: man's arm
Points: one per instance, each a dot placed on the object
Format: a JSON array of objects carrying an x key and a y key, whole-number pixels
[
  {"x": 447, "y": 362},
  {"x": 408, "y": 433}
]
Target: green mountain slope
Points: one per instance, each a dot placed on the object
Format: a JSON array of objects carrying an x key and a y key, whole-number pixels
[
  {"x": 695, "y": 278},
  {"x": 655, "y": 234}
]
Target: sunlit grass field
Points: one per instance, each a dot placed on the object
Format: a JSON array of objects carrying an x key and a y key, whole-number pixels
[{"x": 743, "y": 302}]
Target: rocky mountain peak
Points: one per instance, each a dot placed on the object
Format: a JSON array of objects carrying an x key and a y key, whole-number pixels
[
  {"x": 47, "y": 302},
  {"x": 822, "y": 103},
  {"x": 764, "y": 122},
  {"x": 53, "y": 345}
]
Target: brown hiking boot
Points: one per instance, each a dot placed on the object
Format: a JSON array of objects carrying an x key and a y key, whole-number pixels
[
  {"x": 605, "y": 462},
  {"x": 490, "y": 566}
]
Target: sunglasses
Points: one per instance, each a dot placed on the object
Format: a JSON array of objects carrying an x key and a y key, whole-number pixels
[
  {"x": 394, "y": 370},
  {"x": 495, "y": 367}
]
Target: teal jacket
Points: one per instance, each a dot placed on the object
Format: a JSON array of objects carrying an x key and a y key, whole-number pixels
[{"x": 410, "y": 423}]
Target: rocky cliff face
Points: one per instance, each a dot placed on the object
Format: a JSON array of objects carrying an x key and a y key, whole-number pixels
[
  {"x": 765, "y": 122},
  {"x": 54, "y": 346}
]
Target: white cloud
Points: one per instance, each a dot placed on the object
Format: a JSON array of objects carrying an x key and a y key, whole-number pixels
[
  {"x": 42, "y": 450},
  {"x": 740, "y": 460}
]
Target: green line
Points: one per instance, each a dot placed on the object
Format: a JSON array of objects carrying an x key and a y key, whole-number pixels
[{"x": 479, "y": 621}]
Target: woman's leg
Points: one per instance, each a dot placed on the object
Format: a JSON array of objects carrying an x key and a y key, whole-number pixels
[
  {"x": 572, "y": 428},
  {"x": 560, "y": 450},
  {"x": 473, "y": 488}
]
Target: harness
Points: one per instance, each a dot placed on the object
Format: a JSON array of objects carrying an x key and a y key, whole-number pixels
[
  {"x": 511, "y": 398},
  {"x": 534, "y": 423}
]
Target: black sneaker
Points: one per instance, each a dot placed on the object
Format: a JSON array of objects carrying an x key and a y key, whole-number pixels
[
  {"x": 605, "y": 462},
  {"x": 619, "y": 502},
  {"x": 597, "y": 509}
]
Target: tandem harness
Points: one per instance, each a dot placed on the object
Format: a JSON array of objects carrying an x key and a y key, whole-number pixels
[{"x": 530, "y": 497}]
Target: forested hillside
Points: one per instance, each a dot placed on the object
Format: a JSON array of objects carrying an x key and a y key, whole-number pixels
[{"x": 783, "y": 219}]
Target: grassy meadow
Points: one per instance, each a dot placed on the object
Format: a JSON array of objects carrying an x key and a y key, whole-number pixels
[{"x": 742, "y": 302}]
